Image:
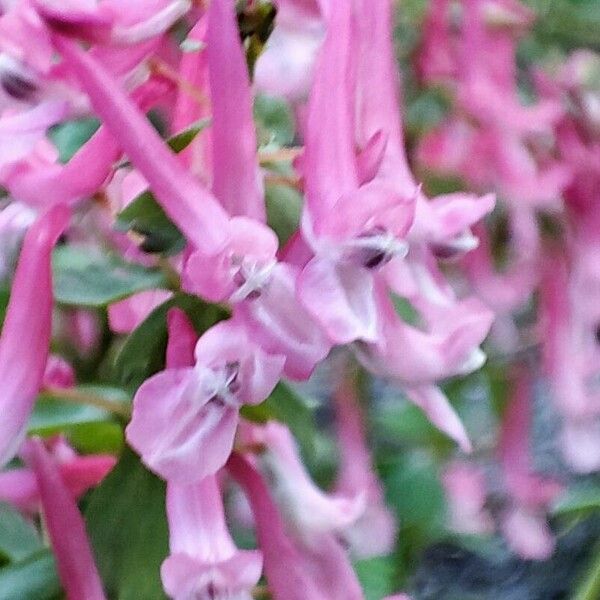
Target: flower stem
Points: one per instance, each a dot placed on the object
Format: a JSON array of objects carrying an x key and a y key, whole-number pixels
[{"x": 79, "y": 396}]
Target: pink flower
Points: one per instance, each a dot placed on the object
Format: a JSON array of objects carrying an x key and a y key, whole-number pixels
[
  {"x": 294, "y": 570},
  {"x": 237, "y": 180},
  {"x": 25, "y": 336},
  {"x": 184, "y": 419},
  {"x": 195, "y": 211},
  {"x": 20, "y": 132},
  {"x": 337, "y": 286},
  {"x": 524, "y": 523},
  {"x": 465, "y": 488},
  {"x": 74, "y": 557},
  {"x": 15, "y": 218},
  {"x": 374, "y": 532},
  {"x": 282, "y": 325},
  {"x": 112, "y": 22},
  {"x": 203, "y": 560},
  {"x": 308, "y": 510},
  {"x": 125, "y": 315},
  {"x": 58, "y": 373}
]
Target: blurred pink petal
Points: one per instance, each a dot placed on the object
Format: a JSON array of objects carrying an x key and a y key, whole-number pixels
[
  {"x": 74, "y": 557},
  {"x": 25, "y": 339}
]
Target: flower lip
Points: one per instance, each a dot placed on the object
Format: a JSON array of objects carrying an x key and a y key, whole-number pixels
[
  {"x": 250, "y": 277},
  {"x": 221, "y": 385},
  {"x": 375, "y": 247}
]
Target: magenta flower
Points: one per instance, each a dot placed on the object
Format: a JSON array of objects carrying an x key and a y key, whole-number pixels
[
  {"x": 184, "y": 419},
  {"x": 337, "y": 286},
  {"x": 308, "y": 510},
  {"x": 203, "y": 560},
  {"x": 74, "y": 557},
  {"x": 25, "y": 336},
  {"x": 58, "y": 373},
  {"x": 374, "y": 532},
  {"x": 237, "y": 180},
  {"x": 192, "y": 208},
  {"x": 294, "y": 570}
]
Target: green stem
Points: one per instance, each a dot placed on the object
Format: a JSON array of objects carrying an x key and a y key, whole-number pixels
[
  {"x": 589, "y": 588},
  {"x": 79, "y": 396}
]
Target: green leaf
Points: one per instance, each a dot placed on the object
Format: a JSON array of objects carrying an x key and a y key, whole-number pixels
[
  {"x": 579, "y": 499},
  {"x": 146, "y": 217},
  {"x": 405, "y": 310},
  {"x": 34, "y": 578},
  {"x": 414, "y": 491},
  {"x": 180, "y": 141},
  {"x": 126, "y": 522},
  {"x": 274, "y": 120},
  {"x": 70, "y": 136},
  {"x": 143, "y": 353},
  {"x": 376, "y": 575},
  {"x": 284, "y": 206},
  {"x": 18, "y": 538},
  {"x": 89, "y": 428},
  {"x": 288, "y": 406},
  {"x": 86, "y": 278}
]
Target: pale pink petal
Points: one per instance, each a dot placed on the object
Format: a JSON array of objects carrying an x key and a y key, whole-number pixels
[{"x": 177, "y": 439}]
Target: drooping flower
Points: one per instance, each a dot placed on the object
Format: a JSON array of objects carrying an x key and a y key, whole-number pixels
[
  {"x": 524, "y": 521},
  {"x": 236, "y": 177},
  {"x": 203, "y": 561},
  {"x": 286, "y": 66},
  {"x": 195, "y": 211},
  {"x": 374, "y": 532},
  {"x": 308, "y": 510},
  {"x": 295, "y": 570},
  {"x": 66, "y": 528},
  {"x": 25, "y": 339},
  {"x": 184, "y": 419},
  {"x": 337, "y": 285}
]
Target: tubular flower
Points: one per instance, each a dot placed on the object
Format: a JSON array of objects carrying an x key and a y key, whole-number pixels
[
  {"x": 192, "y": 208},
  {"x": 524, "y": 523},
  {"x": 25, "y": 339},
  {"x": 309, "y": 511},
  {"x": 184, "y": 419},
  {"x": 74, "y": 557},
  {"x": 203, "y": 560},
  {"x": 337, "y": 285},
  {"x": 237, "y": 181},
  {"x": 374, "y": 532},
  {"x": 295, "y": 570}
]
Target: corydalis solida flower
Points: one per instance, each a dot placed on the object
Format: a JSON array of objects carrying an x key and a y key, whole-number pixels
[{"x": 184, "y": 419}]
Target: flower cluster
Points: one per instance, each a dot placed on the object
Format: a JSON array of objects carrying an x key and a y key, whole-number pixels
[{"x": 374, "y": 274}]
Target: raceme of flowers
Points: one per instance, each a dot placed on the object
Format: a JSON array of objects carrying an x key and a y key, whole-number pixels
[{"x": 368, "y": 240}]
